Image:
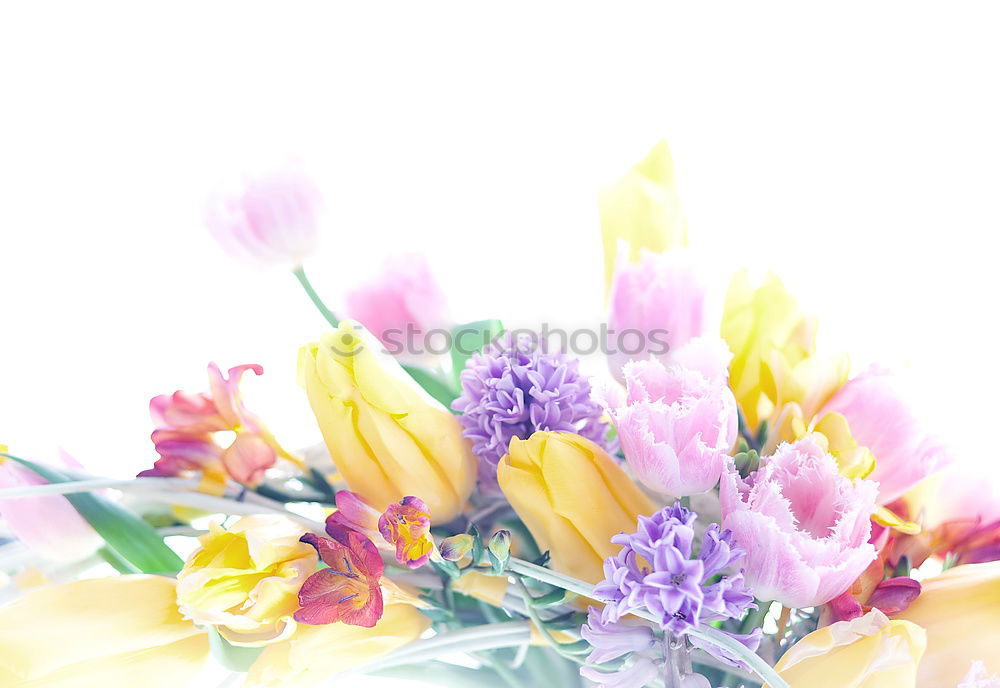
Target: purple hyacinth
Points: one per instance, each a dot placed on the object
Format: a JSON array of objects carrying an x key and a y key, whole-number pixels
[
  {"x": 655, "y": 572},
  {"x": 515, "y": 388}
]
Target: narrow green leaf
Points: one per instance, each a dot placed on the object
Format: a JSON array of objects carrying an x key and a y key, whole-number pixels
[
  {"x": 469, "y": 338},
  {"x": 432, "y": 384},
  {"x": 125, "y": 533}
]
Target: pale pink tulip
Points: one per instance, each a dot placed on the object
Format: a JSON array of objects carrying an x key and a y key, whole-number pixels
[
  {"x": 268, "y": 219},
  {"x": 403, "y": 298},
  {"x": 805, "y": 527},
  {"x": 657, "y": 305},
  {"x": 881, "y": 420},
  {"x": 46, "y": 524},
  {"x": 676, "y": 426}
]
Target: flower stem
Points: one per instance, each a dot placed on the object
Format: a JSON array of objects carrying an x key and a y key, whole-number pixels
[
  {"x": 540, "y": 624},
  {"x": 300, "y": 273}
]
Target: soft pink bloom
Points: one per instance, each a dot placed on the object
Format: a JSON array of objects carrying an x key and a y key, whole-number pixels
[
  {"x": 805, "y": 527},
  {"x": 403, "y": 298},
  {"x": 269, "y": 219},
  {"x": 676, "y": 426},
  {"x": 47, "y": 524},
  {"x": 661, "y": 300},
  {"x": 187, "y": 425},
  {"x": 403, "y": 528},
  {"x": 348, "y": 591},
  {"x": 881, "y": 420}
]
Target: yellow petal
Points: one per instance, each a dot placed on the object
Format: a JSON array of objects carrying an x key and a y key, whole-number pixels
[
  {"x": 489, "y": 589},
  {"x": 885, "y": 517},
  {"x": 98, "y": 633}
]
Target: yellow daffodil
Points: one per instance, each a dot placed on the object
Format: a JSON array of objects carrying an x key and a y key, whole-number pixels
[
  {"x": 245, "y": 579},
  {"x": 573, "y": 497},
  {"x": 388, "y": 438},
  {"x": 99, "y": 633},
  {"x": 960, "y": 610},
  {"x": 315, "y": 653},
  {"x": 643, "y": 210},
  {"x": 867, "y": 652}
]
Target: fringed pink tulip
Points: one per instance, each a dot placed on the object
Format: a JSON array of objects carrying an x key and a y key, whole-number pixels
[
  {"x": 676, "y": 426},
  {"x": 657, "y": 304},
  {"x": 805, "y": 527},
  {"x": 269, "y": 219},
  {"x": 401, "y": 305},
  {"x": 186, "y": 436},
  {"x": 882, "y": 421},
  {"x": 46, "y": 524}
]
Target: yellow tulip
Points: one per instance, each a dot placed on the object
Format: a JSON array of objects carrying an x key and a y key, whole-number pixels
[
  {"x": 643, "y": 210},
  {"x": 769, "y": 338},
  {"x": 98, "y": 633},
  {"x": 315, "y": 653},
  {"x": 246, "y": 579},
  {"x": 573, "y": 497},
  {"x": 867, "y": 652},
  {"x": 960, "y": 610},
  {"x": 388, "y": 437}
]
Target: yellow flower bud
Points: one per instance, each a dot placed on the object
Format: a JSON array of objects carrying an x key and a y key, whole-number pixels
[
  {"x": 388, "y": 437},
  {"x": 867, "y": 652},
  {"x": 643, "y": 210},
  {"x": 573, "y": 497},
  {"x": 315, "y": 653},
  {"x": 122, "y": 631},
  {"x": 246, "y": 579},
  {"x": 960, "y": 610}
]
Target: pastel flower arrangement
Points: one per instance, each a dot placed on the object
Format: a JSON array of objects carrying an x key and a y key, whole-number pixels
[{"x": 726, "y": 506}]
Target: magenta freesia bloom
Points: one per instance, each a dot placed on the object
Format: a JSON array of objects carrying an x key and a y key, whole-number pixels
[
  {"x": 881, "y": 420},
  {"x": 47, "y": 524},
  {"x": 269, "y": 219},
  {"x": 349, "y": 590},
  {"x": 186, "y": 432},
  {"x": 658, "y": 300},
  {"x": 676, "y": 426},
  {"x": 805, "y": 527},
  {"x": 403, "y": 299},
  {"x": 404, "y": 527}
]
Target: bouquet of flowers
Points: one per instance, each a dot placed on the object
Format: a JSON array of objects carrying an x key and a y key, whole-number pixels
[{"x": 725, "y": 507}]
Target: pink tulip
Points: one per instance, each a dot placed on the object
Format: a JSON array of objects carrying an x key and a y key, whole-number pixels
[
  {"x": 881, "y": 420},
  {"x": 805, "y": 527},
  {"x": 676, "y": 426},
  {"x": 657, "y": 301},
  {"x": 46, "y": 524},
  {"x": 404, "y": 298},
  {"x": 269, "y": 219}
]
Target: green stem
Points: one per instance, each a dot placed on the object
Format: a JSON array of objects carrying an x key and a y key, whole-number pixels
[
  {"x": 300, "y": 273},
  {"x": 540, "y": 624},
  {"x": 755, "y": 618}
]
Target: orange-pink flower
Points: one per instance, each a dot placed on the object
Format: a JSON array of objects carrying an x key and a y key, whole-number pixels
[
  {"x": 349, "y": 590},
  {"x": 403, "y": 528}
]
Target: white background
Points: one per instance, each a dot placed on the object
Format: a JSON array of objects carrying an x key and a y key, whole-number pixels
[{"x": 853, "y": 149}]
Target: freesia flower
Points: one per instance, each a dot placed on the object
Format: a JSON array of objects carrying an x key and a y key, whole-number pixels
[
  {"x": 804, "y": 526},
  {"x": 268, "y": 219},
  {"x": 403, "y": 298},
  {"x": 515, "y": 388},
  {"x": 867, "y": 652},
  {"x": 882, "y": 421},
  {"x": 245, "y": 579},
  {"x": 99, "y": 632},
  {"x": 643, "y": 210},
  {"x": 657, "y": 305},
  {"x": 187, "y": 433},
  {"x": 675, "y": 426},
  {"x": 573, "y": 498},
  {"x": 656, "y": 572},
  {"x": 315, "y": 653},
  {"x": 960, "y": 610},
  {"x": 47, "y": 524},
  {"x": 762, "y": 326},
  {"x": 403, "y": 528},
  {"x": 349, "y": 590},
  {"x": 388, "y": 437}
]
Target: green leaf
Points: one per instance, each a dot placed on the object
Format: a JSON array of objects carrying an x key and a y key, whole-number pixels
[
  {"x": 125, "y": 533},
  {"x": 432, "y": 384},
  {"x": 232, "y": 657},
  {"x": 550, "y": 599},
  {"x": 469, "y": 338}
]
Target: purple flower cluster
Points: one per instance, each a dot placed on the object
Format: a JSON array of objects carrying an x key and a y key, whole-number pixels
[
  {"x": 643, "y": 652},
  {"x": 515, "y": 388},
  {"x": 655, "y": 572}
]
